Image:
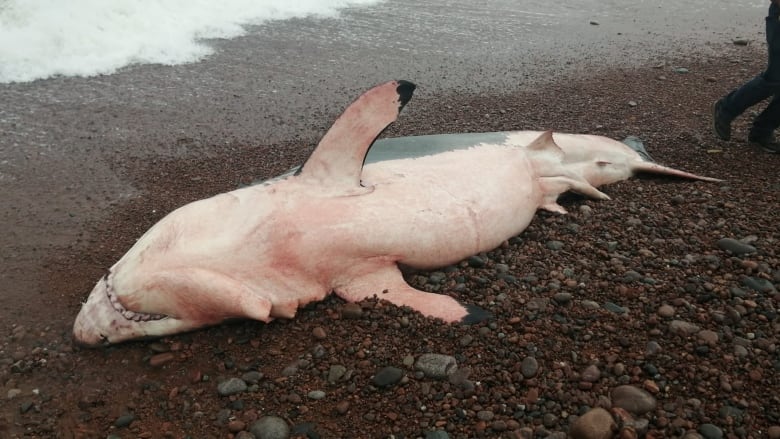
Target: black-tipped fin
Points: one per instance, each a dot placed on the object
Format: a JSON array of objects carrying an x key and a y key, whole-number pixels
[{"x": 337, "y": 161}]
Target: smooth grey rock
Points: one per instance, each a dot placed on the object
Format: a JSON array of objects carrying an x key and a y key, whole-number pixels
[
  {"x": 683, "y": 327},
  {"x": 734, "y": 246},
  {"x": 336, "y": 372},
  {"x": 436, "y": 365},
  {"x": 231, "y": 386},
  {"x": 438, "y": 434},
  {"x": 529, "y": 367},
  {"x": 124, "y": 420},
  {"x": 387, "y": 376},
  {"x": 633, "y": 399},
  {"x": 270, "y": 427},
  {"x": 596, "y": 423},
  {"x": 710, "y": 431},
  {"x": 316, "y": 395}
]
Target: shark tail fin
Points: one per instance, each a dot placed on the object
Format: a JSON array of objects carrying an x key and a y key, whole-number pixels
[{"x": 337, "y": 160}]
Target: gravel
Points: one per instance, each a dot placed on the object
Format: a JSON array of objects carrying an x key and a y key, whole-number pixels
[{"x": 652, "y": 251}]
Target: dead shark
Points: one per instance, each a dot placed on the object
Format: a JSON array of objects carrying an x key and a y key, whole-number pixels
[{"x": 339, "y": 225}]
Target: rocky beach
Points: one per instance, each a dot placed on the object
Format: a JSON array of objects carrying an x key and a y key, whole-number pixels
[{"x": 650, "y": 315}]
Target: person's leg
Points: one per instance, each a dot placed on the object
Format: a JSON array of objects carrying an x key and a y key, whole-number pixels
[
  {"x": 768, "y": 120},
  {"x": 757, "y": 89}
]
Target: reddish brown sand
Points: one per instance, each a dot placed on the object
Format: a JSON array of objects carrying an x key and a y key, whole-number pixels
[{"x": 665, "y": 230}]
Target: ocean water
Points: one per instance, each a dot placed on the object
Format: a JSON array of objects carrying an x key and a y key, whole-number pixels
[{"x": 43, "y": 38}]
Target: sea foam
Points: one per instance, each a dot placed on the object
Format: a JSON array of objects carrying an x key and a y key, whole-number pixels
[{"x": 43, "y": 38}]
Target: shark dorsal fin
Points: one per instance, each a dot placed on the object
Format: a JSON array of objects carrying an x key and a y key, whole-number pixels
[
  {"x": 546, "y": 143},
  {"x": 337, "y": 160}
]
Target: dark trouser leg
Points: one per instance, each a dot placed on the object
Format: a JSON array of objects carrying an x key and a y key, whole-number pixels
[
  {"x": 769, "y": 119},
  {"x": 751, "y": 93}
]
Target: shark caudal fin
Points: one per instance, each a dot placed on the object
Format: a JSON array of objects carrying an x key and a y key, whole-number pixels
[
  {"x": 655, "y": 168},
  {"x": 337, "y": 160}
]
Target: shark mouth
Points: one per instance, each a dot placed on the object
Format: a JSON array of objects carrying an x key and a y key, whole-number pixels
[{"x": 124, "y": 312}]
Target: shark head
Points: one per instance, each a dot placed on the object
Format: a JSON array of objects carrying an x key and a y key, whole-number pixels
[{"x": 103, "y": 319}]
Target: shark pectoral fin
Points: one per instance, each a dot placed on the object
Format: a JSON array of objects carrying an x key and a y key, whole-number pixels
[
  {"x": 338, "y": 159},
  {"x": 388, "y": 284},
  {"x": 554, "y": 207},
  {"x": 554, "y": 186}
]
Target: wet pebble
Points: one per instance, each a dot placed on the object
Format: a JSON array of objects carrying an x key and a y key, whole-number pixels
[
  {"x": 351, "y": 311},
  {"x": 633, "y": 399},
  {"x": 597, "y": 423},
  {"x": 316, "y": 395},
  {"x": 476, "y": 261},
  {"x": 683, "y": 327},
  {"x": 231, "y": 386},
  {"x": 529, "y": 367},
  {"x": 734, "y": 246},
  {"x": 319, "y": 333},
  {"x": 252, "y": 377},
  {"x": 124, "y": 420},
  {"x": 436, "y": 365},
  {"x": 387, "y": 376},
  {"x": 270, "y": 427},
  {"x": 335, "y": 373},
  {"x": 161, "y": 359},
  {"x": 710, "y": 431},
  {"x": 591, "y": 374},
  {"x": 555, "y": 245},
  {"x": 666, "y": 311}
]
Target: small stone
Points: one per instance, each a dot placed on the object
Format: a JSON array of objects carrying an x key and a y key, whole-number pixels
[
  {"x": 124, "y": 420},
  {"x": 436, "y": 365},
  {"x": 270, "y": 427},
  {"x": 632, "y": 103},
  {"x": 231, "y": 386},
  {"x": 708, "y": 337},
  {"x": 554, "y": 245},
  {"x": 437, "y": 434},
  {"x": 529, "y": 367},
  {"x": 774, "y": 432},
  {"x": 615, "y": 308},
  {"x": 235, "y": 426},
  {"x": 319, "y": 333},
  {"x": 562, "y": 298},
  {"x": 161, "y": 359},
  {"x": 633, "y": 399},
  {"x": 734, "y": 246},
  {"x": 335, "y": 373},
  {"x": 476, "y": 261},
  {"x": 351, "y": 311},
  {"x": 342, "y": 407},
  {"x": 159, "y": 348},
  {"x": 594, "y": 23},
  {"x": 681, "y": 70},
  {"x": 666, "y": 311},
  {"x": 13, "y": 393},
  {"x": 710, "y": 431},
  {"x": 252, "y": 377},
  {"x": 316, "y": 395},
  {"x": 740, "y": 41},
  {"x": 485, "y": 415},
  {"x": 597, "y": 423},
  {"x": 591, "y": 374},
  {"x": 683, "y": 327},
  {"x": 387, "y": 376}
]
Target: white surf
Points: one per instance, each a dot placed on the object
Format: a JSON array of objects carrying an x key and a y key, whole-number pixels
[{"x": 43, "y": 38}]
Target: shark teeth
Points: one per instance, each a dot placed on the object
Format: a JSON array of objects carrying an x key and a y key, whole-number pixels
[{"x": 126, "y": 313}]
